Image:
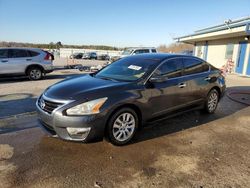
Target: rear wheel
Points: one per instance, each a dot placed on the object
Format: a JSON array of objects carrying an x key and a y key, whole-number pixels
[
  {"x": 35, "y": 73},
  {"x": 122, "y": 126},
  {"x": 212, "y": 101}
]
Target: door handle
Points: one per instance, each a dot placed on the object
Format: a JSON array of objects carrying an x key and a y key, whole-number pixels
[
  {"x": 182, "y": 85},
  {"x": 28, "y": 59},
  {"x": 207, "y": 79},
  {"x": 4, "y": 61}
]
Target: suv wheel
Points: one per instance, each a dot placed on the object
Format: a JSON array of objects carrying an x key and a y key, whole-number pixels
[
  {"x": 122, "y": 126},
  {"x": 35, "y": 73},
  {"x": 212, "y": 101}
]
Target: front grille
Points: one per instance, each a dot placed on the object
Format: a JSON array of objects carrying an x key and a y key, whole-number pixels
[{"x": 48, "y": 106}]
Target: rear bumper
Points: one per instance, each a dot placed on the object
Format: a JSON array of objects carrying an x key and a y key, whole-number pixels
[
  {"x": 48, "y": 67},
  {"x": 57, "y": 123}
]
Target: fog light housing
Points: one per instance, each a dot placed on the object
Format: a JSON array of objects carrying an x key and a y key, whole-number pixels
[{"x": 78, "y": 133}]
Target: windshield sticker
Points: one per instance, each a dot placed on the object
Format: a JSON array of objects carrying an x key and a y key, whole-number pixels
[{"x": 134, "y": 67}]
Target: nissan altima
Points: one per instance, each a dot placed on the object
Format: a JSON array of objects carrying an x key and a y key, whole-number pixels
[{"x": 127, "y": 94}]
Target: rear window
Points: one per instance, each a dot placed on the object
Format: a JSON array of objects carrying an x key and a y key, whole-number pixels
[
  {"x": 192, "y": 66},
  {"x": 153, "y": 50},
  {"x": 32, "y": 53},
  {"x": 17, "y": 53},
  {"x": 4, "y": 53},
  {"x": 205, "y": 67}
]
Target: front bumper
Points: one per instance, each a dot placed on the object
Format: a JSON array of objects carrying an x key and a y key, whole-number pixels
[{"x": 56, "y": 123}]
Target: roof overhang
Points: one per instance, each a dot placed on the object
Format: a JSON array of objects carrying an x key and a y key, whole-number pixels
[{"x": 236, "y": 29}]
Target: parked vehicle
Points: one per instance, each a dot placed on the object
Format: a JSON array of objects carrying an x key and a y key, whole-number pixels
[
  {"x": 96, "y": 68},
  {"x": 134, "y": 51},
  {"x": 125, "y": 95},
  {"x": 32, "y": 62},
  {"x": 103, "y": 57},
  {"x": 90, "y": 55},
  {"x": 84, "y": 68},
  {"x": 187, "y": 52},
  {"x": 76, "y": 56}
]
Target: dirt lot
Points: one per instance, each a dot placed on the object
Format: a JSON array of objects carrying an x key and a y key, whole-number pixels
[{"x": 191, "y": 150}]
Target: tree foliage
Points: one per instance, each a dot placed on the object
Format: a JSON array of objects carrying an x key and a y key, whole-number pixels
[
  {"x": 56, "y": 45},
  {"x": 175, "y": 47}
]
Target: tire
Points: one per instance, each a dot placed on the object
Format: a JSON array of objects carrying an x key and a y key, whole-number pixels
[
  {"x": 35, "y": 73},
  {"x": 120, "y": 134},
  {"x": 212, "y": 101}
]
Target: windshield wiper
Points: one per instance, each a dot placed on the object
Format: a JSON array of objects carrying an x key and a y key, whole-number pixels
[{"x": 107, "y": 78}]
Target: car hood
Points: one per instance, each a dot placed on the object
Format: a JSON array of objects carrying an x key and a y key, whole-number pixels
[{"x": 85, "y": 86}]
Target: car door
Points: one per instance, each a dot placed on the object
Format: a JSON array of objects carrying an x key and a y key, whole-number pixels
[
  {"x": 4, "y": 61},
  {"x": 18, "y": 60},
  {"x": 170, "y": 94},
  {"x": 196, "y": 73}
]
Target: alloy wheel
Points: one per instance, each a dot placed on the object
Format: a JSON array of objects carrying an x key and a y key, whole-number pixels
[
  {"x": 124, "y": 127},
  {"x": 35, "y": 74},
  {"x": 212, "y": 101}
]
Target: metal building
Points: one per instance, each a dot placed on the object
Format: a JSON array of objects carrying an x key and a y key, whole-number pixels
[{"x": 224, "y": 45}]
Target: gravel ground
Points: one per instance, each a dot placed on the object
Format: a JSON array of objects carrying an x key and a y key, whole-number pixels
[{"x": 191, "y": 150}]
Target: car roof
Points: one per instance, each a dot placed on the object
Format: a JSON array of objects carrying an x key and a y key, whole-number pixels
[{"x": 160, "y": 56}]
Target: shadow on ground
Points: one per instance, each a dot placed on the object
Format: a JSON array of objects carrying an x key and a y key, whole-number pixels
[
  {"x": 66, "y": 74},
  {"x": 191, "y": 119},
  {"x": 17, "y": 103}
]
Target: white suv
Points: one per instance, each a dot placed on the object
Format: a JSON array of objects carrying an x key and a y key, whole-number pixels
[
  {"x": 135, "y": 51},
  {"x": 33, "y": 62}
]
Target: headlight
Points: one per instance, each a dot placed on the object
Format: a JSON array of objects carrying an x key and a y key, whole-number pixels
[{"x": 87, "y": 108}]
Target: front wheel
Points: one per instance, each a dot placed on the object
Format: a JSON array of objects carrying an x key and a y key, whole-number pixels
[
  {"x": 212, "y": 101},
  {"x": 122, "y": 126}
]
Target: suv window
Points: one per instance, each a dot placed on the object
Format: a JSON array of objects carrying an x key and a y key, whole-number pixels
[
  {"x": 32, "y": 53},
  {"x": 170, "y": 69},
  {"x": 193, "y": 66},
  {"x": 153, "y": 50},
  {"x": 16, "y": 53},
  {"x": 4, "y": 53},
  {"x": 141, "y": 51}
]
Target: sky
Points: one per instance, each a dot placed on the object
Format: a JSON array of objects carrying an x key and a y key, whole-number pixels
[{"x": 119, "y": 23}]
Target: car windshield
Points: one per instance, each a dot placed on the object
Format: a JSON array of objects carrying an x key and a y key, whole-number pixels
[
  {"x": 128, "y": 69},
  {"x": 126, "y": 52}
]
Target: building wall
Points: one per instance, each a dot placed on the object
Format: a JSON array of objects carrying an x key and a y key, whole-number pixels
[{"x": 216, "y": 53}]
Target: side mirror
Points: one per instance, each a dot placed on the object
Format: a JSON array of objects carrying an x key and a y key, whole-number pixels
[{"x": 157, "y": 79}]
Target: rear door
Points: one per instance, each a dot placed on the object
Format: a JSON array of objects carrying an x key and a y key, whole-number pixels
[
  {"x": 4, "y": 61},
  {"x": 197, "y": 75},
  {"x": 18, "y": 60},
  {"x": 171, "y": 94}
]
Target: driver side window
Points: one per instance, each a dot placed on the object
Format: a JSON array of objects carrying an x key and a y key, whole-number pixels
[{"x": 170, "y": 69}]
